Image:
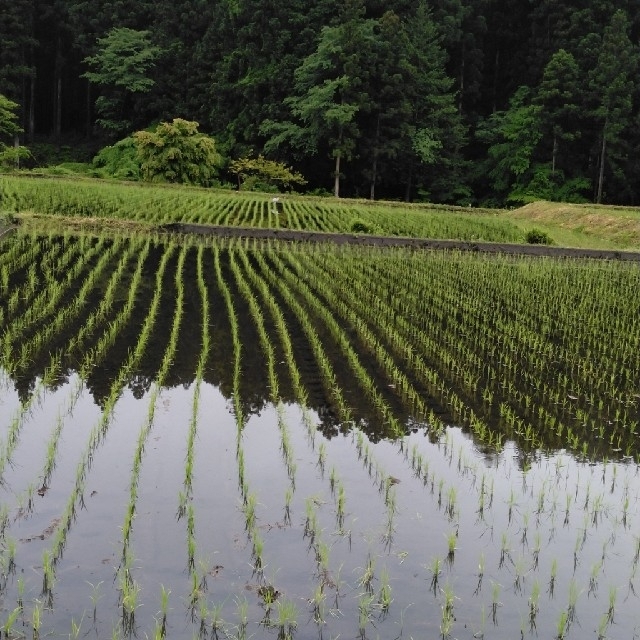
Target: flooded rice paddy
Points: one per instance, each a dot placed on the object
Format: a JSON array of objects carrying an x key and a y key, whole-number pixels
[{"x": 237, "y": 440}]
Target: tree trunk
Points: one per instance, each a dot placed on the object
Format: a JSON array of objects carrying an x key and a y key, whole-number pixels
[
  {"x": 409, "y": 184},
  {"x": 374, "y": 166},
  {"x": 602, "y": 157},
  {"x": 336, "y": 179},
  {"x": 461, "y": 88},
  {"x": 87, "y": 123},
  {"x": 57, "y": 92},
  {"x": 57, "y": 125},
  {"x": 554, "y": 154},
  {"x": 31, "y": 128},
  {"x": 16, "y": 144}
]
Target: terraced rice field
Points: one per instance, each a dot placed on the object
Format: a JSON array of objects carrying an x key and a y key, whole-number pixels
[{"x": 256, "y": 439}]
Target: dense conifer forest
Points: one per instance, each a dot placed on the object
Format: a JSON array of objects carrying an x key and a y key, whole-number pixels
[{"x": 493, "y": 102}]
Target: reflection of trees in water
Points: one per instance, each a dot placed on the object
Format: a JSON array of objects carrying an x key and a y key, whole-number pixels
[
  {"x": 254, "y": 390},
  {"x": 255, "y": 393}
]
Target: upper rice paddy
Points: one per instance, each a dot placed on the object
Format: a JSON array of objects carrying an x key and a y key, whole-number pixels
[{"x": 233, "y": 439}]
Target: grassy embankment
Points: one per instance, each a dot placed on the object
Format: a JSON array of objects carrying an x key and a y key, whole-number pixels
[{"x": 590, "y": 225}]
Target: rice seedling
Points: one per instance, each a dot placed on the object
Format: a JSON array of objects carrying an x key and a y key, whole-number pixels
[
  {"x": 495, "y": 601},
  {"x": 242, "y": 613},
  {"x": 365, "y": 581},
  {"x": 561, "y": 626},
  {"x": 435, "y": 570},
  {"x": 552, "y": 577},
  {"x": 384, "y": 593},
  {"x": 288, "y": 496},
  {"x": 613, "y": 595},
  {"x": 286, "y": 617},
  {"x": 318, "y": 604},
  {"x": 447, "y": 618},
  {"x": 534, "y": 606},
  {"x": 36, "y": 619},
  {"x": 216, "y": 621},
  {"x": 10, "y": 621}
]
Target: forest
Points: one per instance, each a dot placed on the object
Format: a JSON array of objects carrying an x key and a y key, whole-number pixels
[{"x": 471, "y": 102}]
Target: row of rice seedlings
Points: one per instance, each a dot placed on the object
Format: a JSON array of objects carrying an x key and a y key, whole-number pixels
[
  {"x": 65, "y": 314},
  {"x": 312, "y": 529},
  {"x": 160, "y": 377},
  {"x": 325, "y": 367},
  {"x": 277, "y": 316},
  {"x": 95, "y": 354},
  {"x": 559, "y": 397},
  {"x": 46, "y": 302},
  {"x": 285, "y": 619},
  {"x": 96, "y": 436},
  {"x": 128, "y": 587},
  {"x": 529, "y": 431},
  {"x": 399, "y": 381},
  {"x": 267, "y": 347},
  {"x": 390, "y": 327},
  {"x": 23, "y": 319},
  {"x": 100, "y": 314},
  {"x": 17, "y": 288},
  {"x": 22, "y": 413},
  {"x": 249, "y": 499},
  {"x": 198, "y": 581},
  {"x": 322, "y": 312},
  {"x": 379, "y": 474},
  {"x": 35, "y": 261},
  {"x": 163, "y": 204},
  {"x": 22, "y": 252},
  {"x": 66, "y": 408},
  {"x": 321, "y": 550}
]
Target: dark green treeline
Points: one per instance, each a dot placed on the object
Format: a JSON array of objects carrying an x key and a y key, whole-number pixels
[{"x": 463, "y": 101}]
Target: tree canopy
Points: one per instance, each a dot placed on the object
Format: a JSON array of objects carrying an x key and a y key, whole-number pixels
[
  {"x": 461, "y": 101},
  {"x": 176, "y": 152}
]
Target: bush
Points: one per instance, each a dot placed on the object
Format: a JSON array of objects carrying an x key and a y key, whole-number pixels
[
  {"x": 7, "y": 218},
  {"x": 176, "y": 152},
  {"x": 119, "y": 161},
  {"x": 360, "y": 226},
  {"x": 260, "y": 174},
  {"x": 537, "y": 236}
]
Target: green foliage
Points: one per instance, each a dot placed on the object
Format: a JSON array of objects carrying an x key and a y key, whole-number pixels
[
  {"x": 8, "y": 119},
  {"x": 176, "y": 152},
  {"x": 537, "y": 236},
  {"x": 121, "y": 67},
  {"x": 120, "y": 160},
  {"x": 512, "y": 137},
  {"x": 362, "y": 226},
  {"x": 329, "y": 91},
  {"x": 10, "y": 156},
  {"x": 261, "y": 174},
  {"x": 547, "y": 184}
]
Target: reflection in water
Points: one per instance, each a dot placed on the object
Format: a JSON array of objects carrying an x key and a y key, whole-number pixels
[
  {"x": 230, "y": 496},
  {"x": 537, "y": 412}
]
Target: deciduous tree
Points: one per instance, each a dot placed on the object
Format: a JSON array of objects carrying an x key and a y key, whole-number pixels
[{"x": 176, "y": 152}]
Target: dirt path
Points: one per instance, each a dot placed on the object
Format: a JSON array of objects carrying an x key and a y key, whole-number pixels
[{"x": 390, "y": 241}]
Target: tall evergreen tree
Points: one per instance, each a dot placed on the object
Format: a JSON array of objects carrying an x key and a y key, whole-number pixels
[
  {"x": 560, "y": 96},
  {"x": 17, "y": 42},
  {"x": 612, "y": 83},
  {"x": 330, "y": 90}
]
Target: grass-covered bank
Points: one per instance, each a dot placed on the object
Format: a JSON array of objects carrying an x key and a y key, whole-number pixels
[{"x": 619, "y": 226}]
